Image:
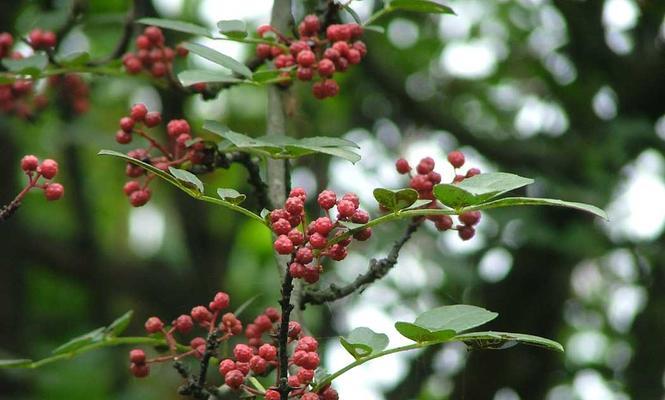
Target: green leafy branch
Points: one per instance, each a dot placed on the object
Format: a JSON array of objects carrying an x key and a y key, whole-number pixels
[{"x": 437, "y": 326}]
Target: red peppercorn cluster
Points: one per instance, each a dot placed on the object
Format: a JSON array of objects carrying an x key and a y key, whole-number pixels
[
  {"x": 180, "y": 149},
  {"x": 204, "y": 317},
  {"x": 72, "y": 91},
  {"x": 316, "y": 54},
  {"x": 258, "y": 358},
  {"x": 424, "y": 180},
  {"x": 35, "y": 170},
  {"x": 258, "y": 355},
  {"x": 151, "y": 54},
  {"x": 322, "y": 237},
  {"x": 42, "y": 40}
]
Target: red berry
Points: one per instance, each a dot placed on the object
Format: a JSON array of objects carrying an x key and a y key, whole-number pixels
[
  {"x": 342, "y": 64},
  {"x": 458, "y": 178},
  {"x": 220, "y": 302},
  {"x": 470, "y": 218},
  {"x": 137, "y": 356},
  {"x": 296, "y": 237},
  {"x": 307, "y": 343},
  {"x": 225, "y": 366},
  {"x": 263, "y": 323},
  {"x": 421, "y": 183},
  {"x": 272, "y": 314},
  {"x": 48, "y": 168},
  {"x": 272, "y": 395},
  {"x": 283, "y": 245},
  {"x": 139, "y": 370},
  {"x": 258, "y": 365},
  {"x": 142, "y": 42},
  {"x": 183, "y": 324},
  {"x": 263, "y": 50},
  {"x": 54, "y": 191},
  {"x": 402, "y": 166},
  {"x": 132, "y": 64},
  {"x": 263, "y": 29},
  {"x": 317, "y": 241},
  {"x": 36, "y": 37},
  {"x": 268, "y": 352},
  {"x": 293, "y": 381},
  {"x": 281, "y": 226},
  {"x": 297, "y": 47},
  {"x": 465, "y": 232},
  {"x": 306, "y": 58},
  {"x": 139, "y": 198},
  {"x": 312, "y": 361},
  {"x": 337, "y": 252},
  {"x": 327, "y": 199},
  {"x": 294, "y": 329},
  {"x": 138, "y": 112},
  {"x": 311, "y": 24},
  {"x": 131, "y": 187},
  {"x": 443, "y": 222},
  {"x": 434, "y": 177},
  {"x": 329, "y": 394},
  {"x": 6, "y": 40},
  {"x": 353, "y": 56},
  {"x": 153, "y": 119},
  {"x": 363, "y": 234},
  {"x": 297, "y": 270},
  {"x": 360, "y": 217},
  {"x": 425, "y": 166},
  {"x": 153, "y": 325},
  {"x": 311, "y": 274},
  {"x": 126, "y": 124},
  {"x": 284, "y": 60},
  {"x": 277, "y": 214},
  {"x": 242, "y": 352},
  {"x": 49, "y": 39},
  {"x": 342, "y": 48},
  {"x": 323, "y": 226},
  {"x": 304, "y": 255},
  {"x": 29, "y": 163},
  {"x": 182, "y": 139},
  {"x": 275, "y": 51},
  {"x": 456, "y": 158},
  {"x": 361, "y": 47},
  {"x": 331, "y": 54},
  {"x": 234, "y": 379},
  {"x": 330, "y": 87},
  {"x": 305, "y": 375},
  {"x": 154, "y": 34},
  {"x": 123, "y": 137},
  {"x": 326, "y": 68},
  {"x": 319, "y": 91},
  {"x": 294, "y": 205},
  {"x": 305, "y": 74},
  {"x": 346, "y": 208},
  {"x": 176, "y": 127},
  {"x": 158, "y": 69},
  {"x": 201, "y": 314},
  {"x": 243, "y": 367},
  {"x": 472, "y": 172}
]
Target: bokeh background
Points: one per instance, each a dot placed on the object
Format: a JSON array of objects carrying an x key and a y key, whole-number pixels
[{"x": 571, "y": 93}]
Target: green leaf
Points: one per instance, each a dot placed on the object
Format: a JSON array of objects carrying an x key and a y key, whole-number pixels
[
  {"x": 418, "y": 203},
  {"x": 237, "y": 139},
  {"x": 395, "y": 200},
  {"x": 120, "y": 324},
  {"x": 362, "y": 342},
  {"x": 503, "y": 340},
  {"x": 219, "y": 58},
  {"x": 74, "y": 59},
  {"x": 74, "y": 344},
  {"x": 420, "y": 334},
  {"x": 191, "y": 76},
  {"x": 354, "y": 14},
  {"x": 478, "y": 189},
  {"x": 458, "y": 318},
  {"x": 175, "y": 25},
  {"x": 231, "y": 195},
  {"x": 300, "y": 150},
  {"x": 177, "y": 183},
  {"x": 375, "y": 28},
  {"x": 32, "y": 65},
  {"x": 422, "y": 6},
  {"x": 17, "y": 363},
  {"x": 246, "y": 304},
  {"x": 444, "y": 322},
  {"x": 265, "y": 75},
  {"x": 233, "y": 28},
  {"x": 534, "y": 201},
  {"x": 187, "y": 178},
  {"x": 350, "y": 225},
  {"x": 327, "y": 141}
]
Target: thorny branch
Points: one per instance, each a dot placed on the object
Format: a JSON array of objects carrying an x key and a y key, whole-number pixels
[{"x": 377, "y": 270}]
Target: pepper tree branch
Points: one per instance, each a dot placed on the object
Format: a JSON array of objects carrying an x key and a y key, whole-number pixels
[
  {"x": 283, "y": 338},
  {"x": 123, "y": 43},
  {"x": 260, "y": 188},
  {"x": 7, "y": 211},
  {"x": 377, "y": 270}
]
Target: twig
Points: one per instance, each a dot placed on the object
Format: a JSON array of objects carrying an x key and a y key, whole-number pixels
[
  {"x": 7, "y": 211},
  {"x": 260, "y": 187},
  {"x": 377, "y": 270},
  {"x": 287, "y": 307}
]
